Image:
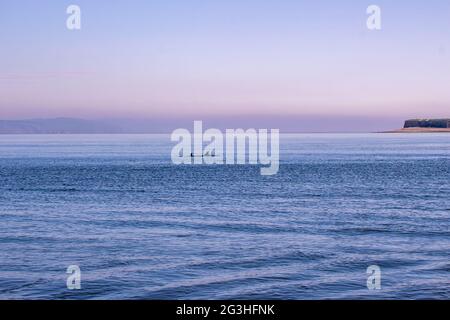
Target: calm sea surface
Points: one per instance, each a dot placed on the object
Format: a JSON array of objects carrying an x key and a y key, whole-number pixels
[{"x": 140, "y": 227}]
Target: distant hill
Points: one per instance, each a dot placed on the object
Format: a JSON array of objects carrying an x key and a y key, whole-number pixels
[
  {"x": 57, "y": 126},
  {"x": 160, "y": 124}
]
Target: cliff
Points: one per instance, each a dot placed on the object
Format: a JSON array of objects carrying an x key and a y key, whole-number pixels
[
  {"x": 427, "y": 123},
  {"x": 425, "y": 126}
]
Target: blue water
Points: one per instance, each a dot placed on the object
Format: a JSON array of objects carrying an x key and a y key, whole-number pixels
[{"x": 140, "y": 227}]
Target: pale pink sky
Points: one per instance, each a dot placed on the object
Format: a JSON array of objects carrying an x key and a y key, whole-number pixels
[{"x": 278, "y": 58}]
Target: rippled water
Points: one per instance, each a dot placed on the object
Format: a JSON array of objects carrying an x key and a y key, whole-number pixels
[{"x": 140, "y": 227}]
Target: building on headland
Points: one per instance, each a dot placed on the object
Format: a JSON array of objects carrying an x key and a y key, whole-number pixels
[{"x": 427, "y": 123}]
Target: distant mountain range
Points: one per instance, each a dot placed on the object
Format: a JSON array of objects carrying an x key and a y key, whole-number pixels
[
  {"x": 55, "y": 126},
  {"x": 287, "y": 124}
]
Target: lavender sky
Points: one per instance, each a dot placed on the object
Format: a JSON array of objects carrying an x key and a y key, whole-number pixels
[{"x": 233, "y": 58}]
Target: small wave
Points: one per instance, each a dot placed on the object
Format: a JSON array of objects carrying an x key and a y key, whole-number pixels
[
  {"x": 78, "y": 190},
  {"x": 256, "y": 262},
  {"x": 18, "y": 287}
]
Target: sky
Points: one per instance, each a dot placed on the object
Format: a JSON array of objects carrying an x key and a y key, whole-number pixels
[{"x": 233, "y": 58}]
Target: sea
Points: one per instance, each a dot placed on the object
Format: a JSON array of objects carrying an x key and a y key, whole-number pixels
[{"x": 140, "y": 227}]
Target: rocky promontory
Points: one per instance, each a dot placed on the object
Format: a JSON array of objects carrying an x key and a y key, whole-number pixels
[{"x": 425, "y": 125}]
